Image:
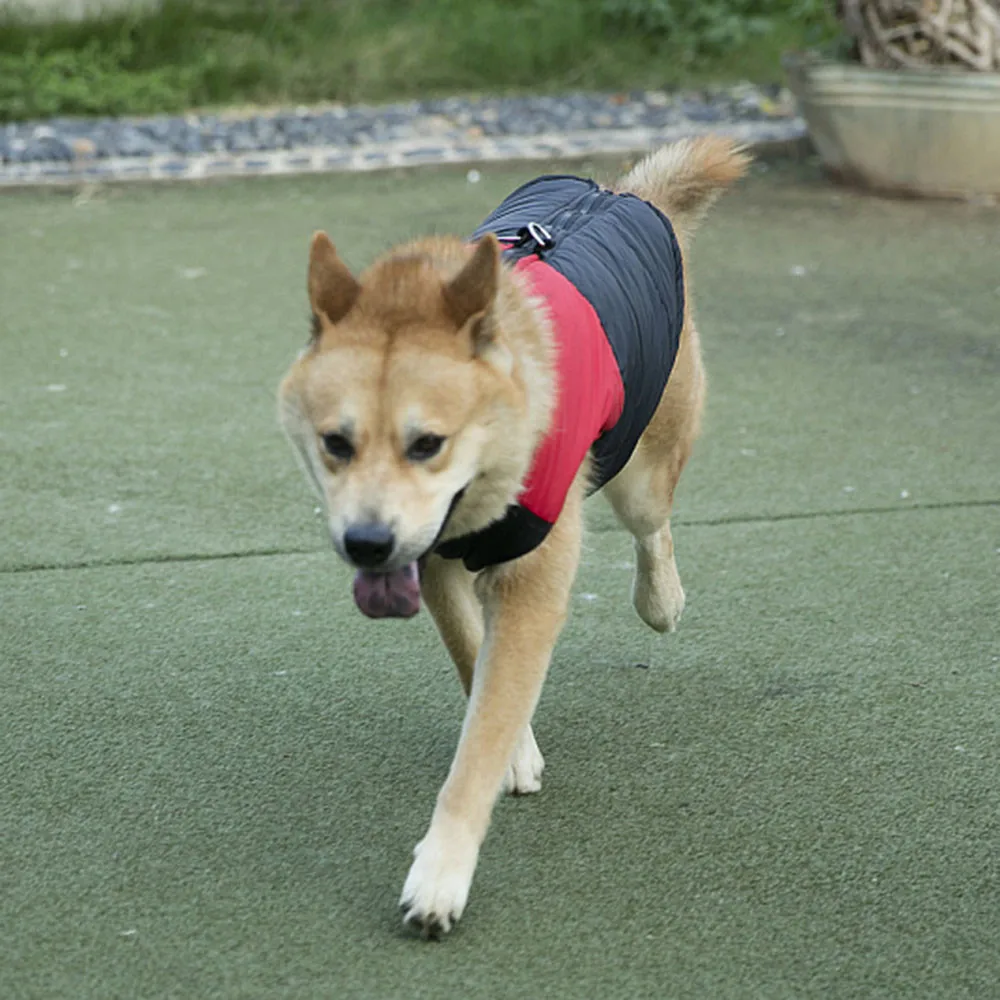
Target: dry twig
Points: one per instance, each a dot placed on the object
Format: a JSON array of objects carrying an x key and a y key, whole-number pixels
[{"x": 917, "y": 34}]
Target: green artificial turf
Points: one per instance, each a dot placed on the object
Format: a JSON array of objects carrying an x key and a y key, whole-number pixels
[{"x": 212, "y": 770}]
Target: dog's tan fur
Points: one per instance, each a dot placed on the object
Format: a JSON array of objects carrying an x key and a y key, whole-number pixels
[{"x": 437, "y": 338}]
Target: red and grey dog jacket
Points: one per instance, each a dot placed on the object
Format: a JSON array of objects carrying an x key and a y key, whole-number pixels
[{"x": 609, "y": 270}]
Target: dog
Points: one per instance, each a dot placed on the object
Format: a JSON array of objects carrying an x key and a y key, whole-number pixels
[{"x": 455, "y": 405}]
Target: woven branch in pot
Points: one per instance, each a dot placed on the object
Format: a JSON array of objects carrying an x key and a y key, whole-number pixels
[{"x": 919, "y": 34}]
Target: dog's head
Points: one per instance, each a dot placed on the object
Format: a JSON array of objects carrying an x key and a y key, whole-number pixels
[{"x": 407, "y": 395}]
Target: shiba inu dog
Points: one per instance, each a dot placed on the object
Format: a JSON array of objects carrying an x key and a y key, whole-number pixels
[{"x": 457, "y": 402}]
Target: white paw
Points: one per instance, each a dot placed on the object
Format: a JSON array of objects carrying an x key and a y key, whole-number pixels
[
  {"x": 437, "y": 887},
  {"x": 658, "y": 596},
  {"x": 524, "y": 774}
]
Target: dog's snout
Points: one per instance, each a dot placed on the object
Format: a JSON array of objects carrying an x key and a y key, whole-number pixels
[{"x": 369, "y": 545}]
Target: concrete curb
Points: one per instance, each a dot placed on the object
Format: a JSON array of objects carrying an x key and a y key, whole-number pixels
[{"x": 773, "y": 136}]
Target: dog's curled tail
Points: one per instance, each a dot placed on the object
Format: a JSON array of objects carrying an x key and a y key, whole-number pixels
[{"x": 684, "y": 178}]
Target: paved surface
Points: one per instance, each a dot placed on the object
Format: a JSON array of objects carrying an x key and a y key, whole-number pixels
[
  {"x": 363, "y": 138},
  {"x": 212, "y": 769}
]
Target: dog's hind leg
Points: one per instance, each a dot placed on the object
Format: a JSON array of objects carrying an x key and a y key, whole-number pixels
[
  {"x": 447, "y": 588},
  {"x": 644, "y": 509},
  {"x": 642, "y": 493}
]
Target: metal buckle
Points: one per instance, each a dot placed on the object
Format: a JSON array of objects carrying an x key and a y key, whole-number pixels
[
  {"x": 534, "y": 232},
  {"x": 540, "y": 235}
]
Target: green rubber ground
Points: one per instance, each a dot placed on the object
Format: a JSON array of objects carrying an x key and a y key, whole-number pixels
[{"x": 213, "y": 769}]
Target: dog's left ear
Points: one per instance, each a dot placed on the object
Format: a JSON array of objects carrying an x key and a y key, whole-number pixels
[{"x": 469, "y": 296}]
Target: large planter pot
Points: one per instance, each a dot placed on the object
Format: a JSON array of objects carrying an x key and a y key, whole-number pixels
[{"x": 905, "y": 131}]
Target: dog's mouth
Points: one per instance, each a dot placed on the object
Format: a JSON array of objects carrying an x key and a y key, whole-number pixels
[{"x": 395, "y": 594}]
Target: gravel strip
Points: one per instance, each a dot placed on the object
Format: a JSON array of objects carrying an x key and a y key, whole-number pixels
[{"x": 362, "y": 137}]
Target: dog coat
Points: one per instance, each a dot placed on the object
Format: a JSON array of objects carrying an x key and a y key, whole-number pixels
[{"x": 609, "y": 270}]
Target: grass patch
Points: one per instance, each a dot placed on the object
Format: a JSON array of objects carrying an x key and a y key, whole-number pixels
[{"x": 196, "y": 53}]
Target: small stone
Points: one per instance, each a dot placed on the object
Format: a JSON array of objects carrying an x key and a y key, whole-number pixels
[
  {"x": 436, "y": 124},
  {"x": 104, "y": 141},
  {"x": 83, "y": 148},
  {"x": 697, "y": 112},
  {"x": 241, "y": 142},
  {"x": 265, "y": 132},
  {"x": 131, "y": 142},
  {"x": 182, "y": 137},
  {"x": 748, "y": 109},
  {"x": 47, "y": 148}
]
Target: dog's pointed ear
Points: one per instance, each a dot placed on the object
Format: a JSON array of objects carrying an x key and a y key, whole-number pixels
[
  {"x": 470, "y": 295},
  {"x": 332, "y": 287}
]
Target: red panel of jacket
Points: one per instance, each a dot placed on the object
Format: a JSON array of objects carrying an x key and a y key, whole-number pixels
[{"x": 590, "y": 395}]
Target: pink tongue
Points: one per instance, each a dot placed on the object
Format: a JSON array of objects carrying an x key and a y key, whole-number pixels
[{"x": 388, "y": 595}]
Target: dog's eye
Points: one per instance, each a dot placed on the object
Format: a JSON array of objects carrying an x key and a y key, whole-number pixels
[
  {"x": 338, "y": 446},
  {"x": 425, "y": 447}
]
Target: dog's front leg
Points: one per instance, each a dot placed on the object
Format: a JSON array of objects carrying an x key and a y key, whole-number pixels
[
  {"x": 525, "y": 606},
  {"x": 447, "y": 589}
]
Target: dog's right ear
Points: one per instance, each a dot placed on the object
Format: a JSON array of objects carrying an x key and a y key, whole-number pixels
[
  {"x": 470, "y": 295},
  {"x": 332, "y": 287}
]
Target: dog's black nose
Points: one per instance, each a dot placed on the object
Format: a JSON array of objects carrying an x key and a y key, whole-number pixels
[{"x": 369, "y": 545}]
